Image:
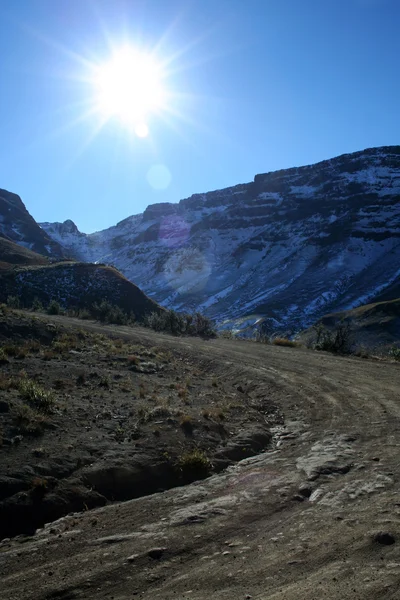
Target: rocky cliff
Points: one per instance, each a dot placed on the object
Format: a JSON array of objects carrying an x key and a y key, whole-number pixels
[{"x": 288, "y": 247}]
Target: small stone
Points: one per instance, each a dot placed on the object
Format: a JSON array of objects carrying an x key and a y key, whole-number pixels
[
  {"x": 305, "y": 490},
  {"x": 133, "y": 557},
  {"x": 4, "y": 406},
  {"x": 298, "y": 498}
]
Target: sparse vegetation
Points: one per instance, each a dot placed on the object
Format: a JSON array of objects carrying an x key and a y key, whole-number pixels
[
  {"x": 29, "y": 421},
  {"x": 41, "y": 399},
  {"x": 37, "y": 305},
  {"x": 105, "y": 312},
  {"x": 281, "y": 341},
  {"x": 180, "y": 323},
  {"x": 54, "y": 308},
  {"x": 97, "y": 392},
  {"x": 195, "y": 461},
  {"x": 394, "y": 352}
]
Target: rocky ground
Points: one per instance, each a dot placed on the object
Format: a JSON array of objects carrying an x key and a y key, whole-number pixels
[
  {"x": 87, "y": 419},
  {"x": 315, "y": 515}
]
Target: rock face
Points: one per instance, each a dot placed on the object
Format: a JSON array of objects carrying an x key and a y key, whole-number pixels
[
  {"x": 17, "y": 225},
  {"x": 288, "y": 247}
]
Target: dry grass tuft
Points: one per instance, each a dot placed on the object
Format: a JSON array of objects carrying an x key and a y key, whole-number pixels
[{"x": 285, "y": 342}]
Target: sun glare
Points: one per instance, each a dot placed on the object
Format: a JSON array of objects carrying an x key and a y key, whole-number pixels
[{"x": 129, "y": 86}]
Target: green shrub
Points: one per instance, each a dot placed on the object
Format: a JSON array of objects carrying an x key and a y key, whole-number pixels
[
  {"x": 54, "y": 308},
  {"x": 38, "y": 397},
  {"x": 105, "y": 312},
  {"x": 176, "y": 323},
  {"x": 394, "y": 352},
  {"x": 37, "y": 305},
  {"x": 194, "y": 461}
]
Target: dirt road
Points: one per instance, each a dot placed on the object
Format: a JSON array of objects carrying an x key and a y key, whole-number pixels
[{"x": 300, "y": 521}]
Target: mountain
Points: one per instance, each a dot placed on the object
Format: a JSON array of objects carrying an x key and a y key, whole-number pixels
[
  {"x": 17, "y": 225},
  {"x": 288, "y": 247}
]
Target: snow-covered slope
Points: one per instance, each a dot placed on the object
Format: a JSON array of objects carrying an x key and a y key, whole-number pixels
[{"x": 290, "y": 246}]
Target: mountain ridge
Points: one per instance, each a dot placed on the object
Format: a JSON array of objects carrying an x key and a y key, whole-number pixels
[{"x": 288, "y": 247}]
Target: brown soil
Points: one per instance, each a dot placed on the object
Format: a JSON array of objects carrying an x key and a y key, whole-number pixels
[
  {"x": 315, "y": 516},
  {"x": 126, "y": 419}
]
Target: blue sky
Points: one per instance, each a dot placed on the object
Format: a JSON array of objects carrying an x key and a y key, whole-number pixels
[{"x": 251, "y": 86}]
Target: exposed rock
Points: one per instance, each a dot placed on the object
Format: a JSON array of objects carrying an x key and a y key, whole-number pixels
[{"x": 247, "y": 443}]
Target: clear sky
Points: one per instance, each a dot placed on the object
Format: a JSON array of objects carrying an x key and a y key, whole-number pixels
[{"x": 239, "y": 87}]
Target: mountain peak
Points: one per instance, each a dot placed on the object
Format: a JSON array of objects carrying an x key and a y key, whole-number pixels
[{"x": 69, "y": 227}]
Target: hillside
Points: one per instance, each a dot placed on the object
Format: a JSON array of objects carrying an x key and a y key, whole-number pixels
[
  {"x": 375, "y": 326},
  {"x": 290, "y": 246},
  {"x": 17, "y": 225},
  {"x": 12, "y": 254},
  {"x": 77, "y": 285}
]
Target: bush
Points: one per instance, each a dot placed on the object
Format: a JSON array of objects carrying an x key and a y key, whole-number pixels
[
  {"x": 105, "y": 312},
  {"x": 37, "y": 305},
  {"x": 29, "y": 421},
  {"x": 195, "y": 461},
  {"x": 337, "y": 341},
  {"x": 176, "y": 323},
  {"x": 202, "y": 326},
  {"x": 54, "y": 308},
  {"x": 39, "y": 398},
  {"x": 13, "y": 302},
  {"x": 394, "y": 352},
  {"x": 261, "y": 337}
]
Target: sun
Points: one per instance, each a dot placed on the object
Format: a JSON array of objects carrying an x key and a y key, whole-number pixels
[{"x": 129, "y": 86}]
